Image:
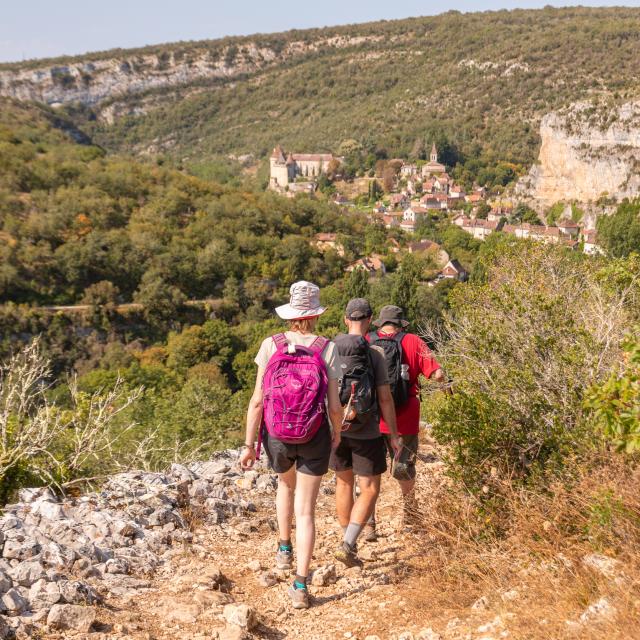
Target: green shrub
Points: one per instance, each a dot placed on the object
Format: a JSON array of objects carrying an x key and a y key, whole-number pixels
[
  {"x": 615, "y": 402},
  {"x": 524, "y": 344}
]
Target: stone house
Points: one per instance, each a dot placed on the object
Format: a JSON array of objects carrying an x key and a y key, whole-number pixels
[
  {"x": 441, "y": 256},
  {"x": 284, "y": 169},
  {"x": 453, "y": 269},
  {"x": 373, "y": 265},
  {"x": 590, "y": 240},
  {"x": 399, "y": 200},
  {"x": 408, "y": 225},
  {"x": 479, "y": 229},
  {"x": 569, "y": 228},
  {"x": 392, "y": 219},
  {"x": 327, "y": 241},
  {"x": 433, "y": 167},
  {"x": 414, "y": 213}
]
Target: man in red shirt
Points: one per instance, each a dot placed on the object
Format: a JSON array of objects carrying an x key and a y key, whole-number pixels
[{"x": 416, "y": 359}]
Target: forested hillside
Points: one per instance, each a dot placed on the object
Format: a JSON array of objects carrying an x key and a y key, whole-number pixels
[
  {"x": 73, "y": 218},
  {"x": 476, "y": 83},
  {"x": 80, "y": 226}
]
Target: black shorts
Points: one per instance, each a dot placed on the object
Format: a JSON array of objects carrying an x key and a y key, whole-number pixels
[
  {"x": 404, "y": 468},
  {"x": 365, "y": 457},
  {"x": 311, "y": 457}
]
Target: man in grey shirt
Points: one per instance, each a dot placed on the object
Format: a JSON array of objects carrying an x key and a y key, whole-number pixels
[{"x": 361, "y": 450}]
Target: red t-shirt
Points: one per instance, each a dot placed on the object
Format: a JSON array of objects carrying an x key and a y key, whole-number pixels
[{"x": 418, "y": 356}]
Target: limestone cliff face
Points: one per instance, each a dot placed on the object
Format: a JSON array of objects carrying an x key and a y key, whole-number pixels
[
  {"x": 586, "y": 151},
  {"x": 91, "y": 82}
]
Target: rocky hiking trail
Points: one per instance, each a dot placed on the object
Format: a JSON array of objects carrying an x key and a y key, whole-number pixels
[{"x": 190, "y": 554}]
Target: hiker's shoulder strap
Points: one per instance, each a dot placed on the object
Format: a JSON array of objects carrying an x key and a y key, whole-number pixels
[
  {"x": 399, "y": 336},
  {"x": 318, "y": 345},
  {"x": 280, "y": 339}
]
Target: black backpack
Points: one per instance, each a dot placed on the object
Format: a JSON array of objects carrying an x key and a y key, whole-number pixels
[
  {"x": 392, "y": 347},
  {"x": 357, "y": 383}
]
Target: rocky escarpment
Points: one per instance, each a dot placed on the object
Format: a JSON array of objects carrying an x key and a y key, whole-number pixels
[
  {"x": 60, "y": 557},
  {"x": 588, "y": 151},
  {"x": 91, "y": 81}
]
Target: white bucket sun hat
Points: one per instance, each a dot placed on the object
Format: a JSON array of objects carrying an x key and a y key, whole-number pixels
[{"x": 304, "y": 302}]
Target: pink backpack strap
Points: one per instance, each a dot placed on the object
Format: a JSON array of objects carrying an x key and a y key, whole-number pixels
[
  {"x": 318, "y": 345},
  {"x": 280, "y": 339},
  {"x": 259, "y": 442}
]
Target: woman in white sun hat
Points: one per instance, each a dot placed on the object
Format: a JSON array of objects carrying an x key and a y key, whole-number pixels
[{"x": 294, "y": 405}]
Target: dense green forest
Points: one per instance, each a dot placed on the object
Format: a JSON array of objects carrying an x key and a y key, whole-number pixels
[
  {"x": 475, "y": 83},
  {"x": 134, "y": 241}
]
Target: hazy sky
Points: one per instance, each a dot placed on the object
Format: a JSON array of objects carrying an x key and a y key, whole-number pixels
[{"x": 43, "y": 28}]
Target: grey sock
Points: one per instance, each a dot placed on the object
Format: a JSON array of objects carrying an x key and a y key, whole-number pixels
[{"x": 351, "y": 534}]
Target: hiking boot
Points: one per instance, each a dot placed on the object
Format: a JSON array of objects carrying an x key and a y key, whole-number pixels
[
  {"x": 347, "y": 556},
  {"x": 299, "y": 597},
  {"x": 284, "y": 558},
  {"x": 369, "y": 533}
]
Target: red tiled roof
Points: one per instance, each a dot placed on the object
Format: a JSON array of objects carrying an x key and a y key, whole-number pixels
[
  {"x": 483, "y": 224},
  {"x": 278, "y": 154},
  {"x": 325, "y": 237},
  {"x": 313, "y": 157},
  {"x": 423, "y": 245}
]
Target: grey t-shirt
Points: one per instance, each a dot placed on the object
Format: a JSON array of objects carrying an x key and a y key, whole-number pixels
[{"x": 371, "y": 429}]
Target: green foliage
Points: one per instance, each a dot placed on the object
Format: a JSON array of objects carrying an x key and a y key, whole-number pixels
[
  {"x": 615, "y": 402},
  {"x": 459, "y": 244},
  {"x": 71, "y": 219},
  {"x": 405, "y": 291},
  {"x": 576, "y": 213},
  {"x": 524, "y": 213},
  {"x": 554, "y": 213},
  {"x": 619, "y": 234},
  {"x": 357, "y": 285},
  {"x": 526, "y": 342}
]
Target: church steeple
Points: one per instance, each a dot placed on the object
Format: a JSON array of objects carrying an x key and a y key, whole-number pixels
[{"x": 434, "y": 153}]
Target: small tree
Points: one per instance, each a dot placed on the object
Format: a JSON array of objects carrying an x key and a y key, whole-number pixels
[
  {"x": 524, "y": 344},
  {"x": 406, "y": 287},
  {"x": 53, "y": 443},
  {"x": 357, "y": 285}
]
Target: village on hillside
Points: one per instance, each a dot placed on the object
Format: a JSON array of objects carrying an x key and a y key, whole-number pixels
[{"x": 418, "y": 192}]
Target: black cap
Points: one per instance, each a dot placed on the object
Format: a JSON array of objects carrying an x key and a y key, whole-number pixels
[
  {"x": 358, "y": 309},
  {"x": 391, "y": 315}
]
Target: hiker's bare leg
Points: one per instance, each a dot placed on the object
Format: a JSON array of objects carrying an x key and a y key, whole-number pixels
[
  {"x": 410, "y": 511},
  {"x": 305, "y": 507},
  {"x": 344, "y": 496},
  {"x": 366, "y": 502},
  {"x": 284, "y": 502},
  {"x": 407, "y": 486}
]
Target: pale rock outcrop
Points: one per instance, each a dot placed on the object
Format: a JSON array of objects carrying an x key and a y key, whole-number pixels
[
  {"x": 587, "y": 151},
  {"x": 58, "y": 557},
  {"x": 103, "y": 77}
]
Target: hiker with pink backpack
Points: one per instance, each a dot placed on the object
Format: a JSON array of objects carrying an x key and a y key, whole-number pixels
[{"x": 295, "y": 411}]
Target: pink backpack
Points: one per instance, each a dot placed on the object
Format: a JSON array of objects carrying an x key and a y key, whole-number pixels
[{"x": 295, "y": 387}]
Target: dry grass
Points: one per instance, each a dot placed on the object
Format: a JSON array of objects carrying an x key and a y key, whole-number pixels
[{"x": 531, "y": 546}]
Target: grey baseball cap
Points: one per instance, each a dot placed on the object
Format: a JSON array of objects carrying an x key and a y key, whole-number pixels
[
  {"x": 390, "y": 314},
  {"x": 358, "y": 309}
]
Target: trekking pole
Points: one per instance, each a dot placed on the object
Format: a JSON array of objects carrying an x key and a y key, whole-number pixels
[{"x": 347, "y": 410}]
